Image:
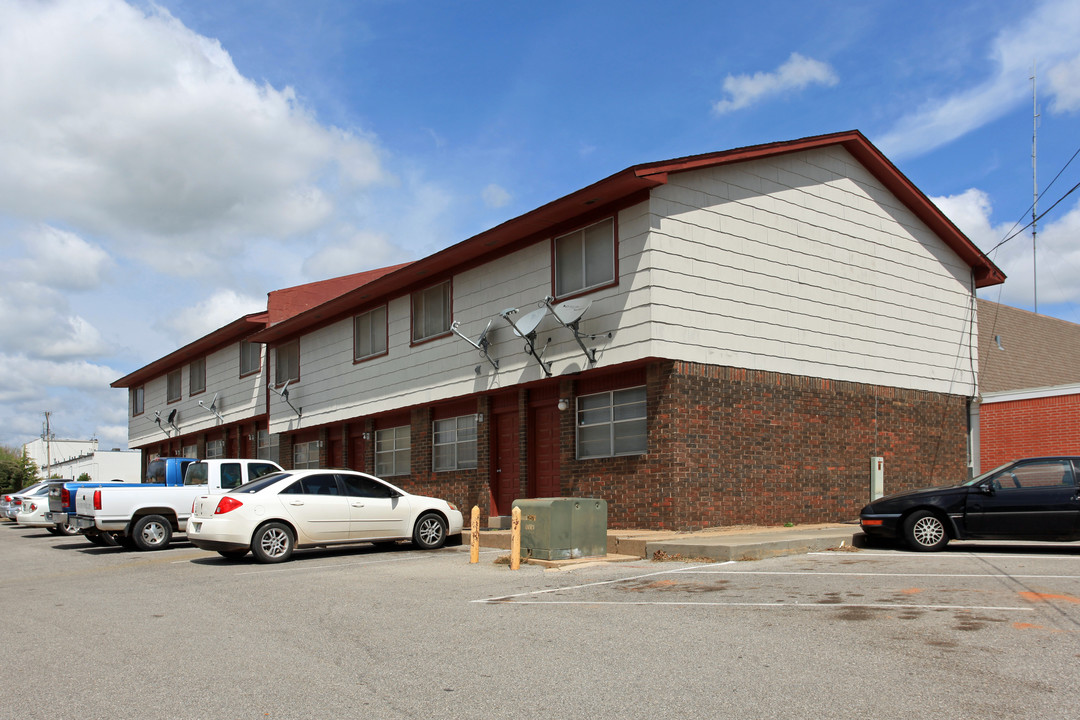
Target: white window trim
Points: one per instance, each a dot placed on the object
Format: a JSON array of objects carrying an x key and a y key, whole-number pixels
[
  {"x": 394, "y": 438},
  {"x": 456, "y": 444},
  {"x": 612, "y": 424}
]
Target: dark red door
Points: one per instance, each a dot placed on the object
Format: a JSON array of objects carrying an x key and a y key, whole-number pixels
[
  {"x": 544, "y": 480},
  {"x": 336, "y": 456},
  {"x": 506, "y": 475},
  {"x": 356, "y": 454}
]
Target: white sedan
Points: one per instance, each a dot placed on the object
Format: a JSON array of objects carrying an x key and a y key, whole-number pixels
[
  {"x": 277, "y": 513},
  {"x": 34, "y": 507}
]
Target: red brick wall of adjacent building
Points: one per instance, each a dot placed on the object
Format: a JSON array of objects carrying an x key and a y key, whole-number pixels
[
  {"x": 1028, "y": 428},
  {"x": 730, "y": 446}
]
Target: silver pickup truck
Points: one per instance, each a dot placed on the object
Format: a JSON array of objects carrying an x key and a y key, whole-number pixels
[{"x": 146, "y": 517}]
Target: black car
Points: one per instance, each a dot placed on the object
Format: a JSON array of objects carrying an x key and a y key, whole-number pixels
[{"x": 1030, "y": 499}]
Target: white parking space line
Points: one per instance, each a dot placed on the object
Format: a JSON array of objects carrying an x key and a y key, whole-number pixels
[
  {"x": 879, "y": 574},
  {"x": 952, "y": 555},
  {"x": 773, "y": 605},
  {"x": 297, "y": 563}
]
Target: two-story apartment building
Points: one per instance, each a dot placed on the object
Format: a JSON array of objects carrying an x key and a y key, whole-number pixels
[{"x": 717, "y": 339}]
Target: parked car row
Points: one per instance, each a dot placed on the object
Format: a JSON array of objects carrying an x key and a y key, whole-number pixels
[{"x": 238, "y": 506}]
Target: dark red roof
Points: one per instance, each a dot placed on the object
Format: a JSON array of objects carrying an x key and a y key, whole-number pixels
[{"x": 620, "y": 188}]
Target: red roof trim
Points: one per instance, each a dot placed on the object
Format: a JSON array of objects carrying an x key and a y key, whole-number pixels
[
  {"x": 205, "y": 345},
  {"x": 612, "y": 192}
]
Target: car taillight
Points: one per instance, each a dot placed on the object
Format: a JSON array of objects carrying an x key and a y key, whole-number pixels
[
  {"x": 226, "y": 504},
  {"x": 97, "y": 499},
  {"x": 33, "y": 507},
  {"x": 65, "y": 496},
  {"x": 17, "y": 501}
]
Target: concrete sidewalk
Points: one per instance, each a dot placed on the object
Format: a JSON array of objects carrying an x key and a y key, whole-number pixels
[{"x": 714, "y": 544}]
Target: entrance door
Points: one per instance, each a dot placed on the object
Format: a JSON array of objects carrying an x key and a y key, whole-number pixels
[
  {"x": 506, "y": 473},
  {"x": 544, "y": 478}
]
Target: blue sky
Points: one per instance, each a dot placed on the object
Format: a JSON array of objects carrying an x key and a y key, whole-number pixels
[{"x": 164, "y": 166}]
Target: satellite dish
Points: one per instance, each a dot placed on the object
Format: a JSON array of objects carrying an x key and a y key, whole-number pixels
[
  {"x": 284, "y": 392},
  {"x": 213, "y": 403},
  {"x": 172, "y": 416},
  {"x": 571, "y": 311},
  {"x": 481, "y": 343},
  {"x": 526, "y": 326}
]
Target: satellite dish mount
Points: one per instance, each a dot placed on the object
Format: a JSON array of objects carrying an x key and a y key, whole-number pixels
[
  {"x": 157, "y": 419},
  {"x": 284, "y": 393},
  {"x": 212, "y": 408},
  {"x": 481, "y": 343},
  {"x": 525, "y": 328},
  {"x": 569, "y": 314}
]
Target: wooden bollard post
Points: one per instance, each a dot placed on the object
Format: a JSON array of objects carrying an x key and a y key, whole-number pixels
[
  {"x": 515, "y": 538},
  {"x": 474, "y": 539}
]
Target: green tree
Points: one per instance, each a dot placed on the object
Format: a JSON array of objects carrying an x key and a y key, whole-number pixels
[{"x": 16, "y": 471}]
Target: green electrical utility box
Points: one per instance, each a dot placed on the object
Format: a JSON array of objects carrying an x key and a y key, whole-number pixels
[{"x": 563, "y": 528}]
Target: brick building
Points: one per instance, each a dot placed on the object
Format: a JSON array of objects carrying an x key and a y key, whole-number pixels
[
  {"x": 716, "y": 339},
  {"x": 1029, "y": 403}
]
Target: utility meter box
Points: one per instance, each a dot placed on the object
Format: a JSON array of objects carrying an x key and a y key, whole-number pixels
[{"x": 563, "y": 528}]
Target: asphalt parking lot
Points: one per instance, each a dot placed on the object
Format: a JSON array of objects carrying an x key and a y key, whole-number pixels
[{"x": 980, "y": 630}]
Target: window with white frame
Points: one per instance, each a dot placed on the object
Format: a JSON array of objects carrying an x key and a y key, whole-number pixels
[
  {"x": 369, "y": 334},
  {"x": 189, "y": 451},
  {"x": 393, "y": 448},
  {"x": 431, "y": 311},
  {"x": 138, "y": 396},
  {"x": 268, "y": 446},
  {"x": 173, "y": 385},
  {"x": 250, "y": 357},
  {"x": 215, "y": 449},
  {"x": 197, "y": 376},
  {"x": 288, "y": 362},
  {"x": 454, "y": 443},
  {"x": 612, "y": 423},
  {"x": 585, "y": 258},
  {"x": 306, "y": 455}
]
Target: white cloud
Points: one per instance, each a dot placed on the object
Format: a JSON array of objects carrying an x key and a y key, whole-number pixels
[
  {"x": 216, "y": 311},
  {"x": 128, "y": 125},
  {"x": 60, "y": 259},
  {"x": 38, "y": 321},
  {"x": 796, "y": 73},
  {"x": 1048, "y": 36},
  {"x": 1058, "y": 254},
  {"x": 495, "y": 196},
  {"x": 356, "y": 252}
]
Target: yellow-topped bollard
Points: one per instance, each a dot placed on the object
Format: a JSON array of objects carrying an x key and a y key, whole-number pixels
[
  {"x": 515, "y": 538},
  {"x": 474, "y": 539}
]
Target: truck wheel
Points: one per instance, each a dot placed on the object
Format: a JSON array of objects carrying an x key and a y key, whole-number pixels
[
  {"x": 151, "y": 532},
  {"x": 68, "y": 528},
  {"x": 273, "y": 542}
]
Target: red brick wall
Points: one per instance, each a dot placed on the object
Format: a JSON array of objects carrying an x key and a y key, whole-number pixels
[
  {"x": 1027, "y": 428},
  {"x": 730, "y": 446}
]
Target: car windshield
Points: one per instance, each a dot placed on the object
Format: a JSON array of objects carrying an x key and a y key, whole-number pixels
[
  {"x": 256, "y": 485},
  {"x": 979, "y": 478},
  {"x": 196, "y": 474}
]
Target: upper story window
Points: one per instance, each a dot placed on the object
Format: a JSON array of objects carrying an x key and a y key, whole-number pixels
[
  {"x": 288, "y": 362},
  {"x": 197, "y": 376},
  {"x": 173, "y": 383},
  {"x": 612, "y": 423},
  {"x": 431, "y": 311},
  {"x": 369, "y": 334},
  {"x": 138, "y": 396},
  {"x": 250, "y": 357},
  {"x": 585, "y": 258},
  {"x": 455, "y": 443}
]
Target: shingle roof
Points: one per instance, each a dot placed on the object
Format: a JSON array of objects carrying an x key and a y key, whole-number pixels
[{"x": 1036, "y": 351}]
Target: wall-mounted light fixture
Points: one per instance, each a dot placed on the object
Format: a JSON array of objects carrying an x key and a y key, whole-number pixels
[
  {"x": 479, "y": 418},
  {"x": 367, "y": 436},
  {"x": 564, "y": 404}
]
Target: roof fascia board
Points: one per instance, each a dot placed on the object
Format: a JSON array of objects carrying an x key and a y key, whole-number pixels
[
  {"x": 1029, "y": 394},
  {"x": 235, "y": 330}
]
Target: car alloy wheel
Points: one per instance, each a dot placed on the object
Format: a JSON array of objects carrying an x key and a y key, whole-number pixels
[{"x": 924, "y": 530}]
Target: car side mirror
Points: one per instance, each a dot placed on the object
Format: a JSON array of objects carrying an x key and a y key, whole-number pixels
[{"x": 987, "y": 488}]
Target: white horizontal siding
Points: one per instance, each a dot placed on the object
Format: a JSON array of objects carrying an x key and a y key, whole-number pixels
[
  {"x": 237, "y": 399},
  {"x": 827, "y": 275}
]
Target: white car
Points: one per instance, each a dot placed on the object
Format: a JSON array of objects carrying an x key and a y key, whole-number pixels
[
  {"x": 11, "y": 502},
  {"x": 34, "y": 508},
  {"x": 277, "y": 513}
]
